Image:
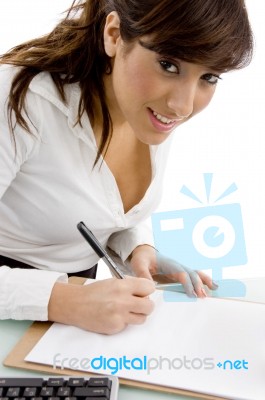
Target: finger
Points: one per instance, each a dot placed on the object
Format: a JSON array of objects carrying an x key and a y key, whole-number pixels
[
  {"x": 192, "y": 283},
  {"x": 143, "y": 306},
  {"x": 185, "y": 280},
  {"x": 141, "y": 287},
  {"x": 143, "y": 273},
  {"x": 207, "y": 280},
  {"x": 136, "y": 319},
  {"x": 197, "y": 283}
]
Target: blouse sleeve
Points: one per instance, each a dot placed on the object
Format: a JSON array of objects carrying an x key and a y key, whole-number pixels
[
  {"x": 124, "y": 242},
  {"x": 24, "y": 294},
  {"x": 13, "y": 153}
]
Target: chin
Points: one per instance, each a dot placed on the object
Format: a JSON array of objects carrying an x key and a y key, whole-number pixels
[{"x": 154, "y": 138}]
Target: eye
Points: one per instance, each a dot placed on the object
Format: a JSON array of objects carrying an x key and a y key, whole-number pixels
[
  {"x": 212, "y": 79},
  {"x": 169, "y": 67}
]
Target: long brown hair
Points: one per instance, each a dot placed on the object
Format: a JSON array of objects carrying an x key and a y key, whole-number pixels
[{"x": 214, "y": 33}]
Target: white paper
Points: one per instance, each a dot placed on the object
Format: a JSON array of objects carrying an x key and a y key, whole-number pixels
[{"x": 191, "y": 335}]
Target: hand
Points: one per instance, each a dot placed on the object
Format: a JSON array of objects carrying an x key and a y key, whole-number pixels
[
  {"x": 146, "y": 262},
  {"x": 106, "y": 306}
]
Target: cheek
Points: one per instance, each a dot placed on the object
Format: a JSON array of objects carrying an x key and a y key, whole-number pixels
[
  {"x": 139, "y": 82},
  {"x": 203, "y": 99}
]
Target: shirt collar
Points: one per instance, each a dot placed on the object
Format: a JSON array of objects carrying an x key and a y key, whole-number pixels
[{"x": 43, "y": 85}]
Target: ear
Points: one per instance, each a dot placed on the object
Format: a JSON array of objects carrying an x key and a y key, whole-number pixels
[{"x": 112, "y": 33}]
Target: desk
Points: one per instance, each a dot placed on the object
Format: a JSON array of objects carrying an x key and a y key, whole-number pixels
[{"x": 12, "y": 331}]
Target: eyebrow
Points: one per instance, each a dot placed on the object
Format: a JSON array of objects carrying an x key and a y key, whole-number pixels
[
  {"x": 153, "y": 47},
  {"x": 147, "y": 45}
]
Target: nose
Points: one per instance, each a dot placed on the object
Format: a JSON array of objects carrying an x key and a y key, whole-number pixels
[{"x": 181, "y": 98}]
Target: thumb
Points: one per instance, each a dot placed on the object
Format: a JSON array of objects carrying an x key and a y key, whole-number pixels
[{"x": 141, "y": 271}]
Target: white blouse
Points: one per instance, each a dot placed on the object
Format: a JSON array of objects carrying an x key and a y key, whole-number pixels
[{"x": 51, "y": 185}]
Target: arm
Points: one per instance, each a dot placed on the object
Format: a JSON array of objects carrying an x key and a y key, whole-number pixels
[
  {"x": 106, "y": 306},
  {"x": 146, "y": 261},
  {"x": 24, "y": 294},
  {"x": 45, "y": 295},
  {"x": 125, "y": 241},
  {"x": 13, "y": 155},
  {"x": 135, "y": 247}
]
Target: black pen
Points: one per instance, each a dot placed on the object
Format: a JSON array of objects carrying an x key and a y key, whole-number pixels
[{"x": 96, "y": 246}]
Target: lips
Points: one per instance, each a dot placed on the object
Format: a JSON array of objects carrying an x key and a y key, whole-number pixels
[
  {"x": 162, "y": 118},
  {"x": 161, "y": 122}
]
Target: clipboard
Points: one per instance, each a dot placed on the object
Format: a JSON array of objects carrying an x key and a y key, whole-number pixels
[{"x": 15, "y": 359}]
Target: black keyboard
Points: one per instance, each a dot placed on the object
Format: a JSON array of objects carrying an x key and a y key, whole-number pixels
[{"x": 54, "y": 388}]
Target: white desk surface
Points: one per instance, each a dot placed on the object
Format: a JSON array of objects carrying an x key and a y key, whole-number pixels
[{"x": 12, "y": 331}]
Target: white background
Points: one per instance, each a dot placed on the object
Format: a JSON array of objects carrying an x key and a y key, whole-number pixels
[{"x": 227, "y": 139}]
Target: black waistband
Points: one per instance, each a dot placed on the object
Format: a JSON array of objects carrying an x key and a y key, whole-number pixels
[{"x": 9, "y": 262}]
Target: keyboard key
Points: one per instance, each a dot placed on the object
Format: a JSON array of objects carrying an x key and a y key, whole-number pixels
[
  {"x": 13, "y": 392},
  {"x": 97, "y": 398},
  {"x": 30, "y": 392},
  {"x": 100, "y": 382},
  {"x": 91, "y": 392},
  {"x": 74, "y": 382},
  {"x": 47, "y": 392},
  {"x": 55, "y": 382},
  {"x": 64, "y": 392},
  {"x": 21, "y": 382}
]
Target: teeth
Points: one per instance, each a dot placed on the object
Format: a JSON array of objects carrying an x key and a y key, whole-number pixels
[{"x": 162, "y": 119}]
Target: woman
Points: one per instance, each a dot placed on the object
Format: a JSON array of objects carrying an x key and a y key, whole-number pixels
[{"x": 87, "y": 113}]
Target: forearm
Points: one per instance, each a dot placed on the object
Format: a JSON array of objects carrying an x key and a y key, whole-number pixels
[{"x": 65, "y": 302}]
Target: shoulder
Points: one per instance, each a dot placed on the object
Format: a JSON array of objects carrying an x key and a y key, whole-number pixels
[
  {"x": 42, "y": 86},
  {"x": 7, "y": 74}
]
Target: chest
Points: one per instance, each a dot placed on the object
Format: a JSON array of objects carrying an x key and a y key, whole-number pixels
[{"x": 130, "y": 164}]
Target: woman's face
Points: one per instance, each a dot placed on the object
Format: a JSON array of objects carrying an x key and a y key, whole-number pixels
[{"x": 151, "y": 93}]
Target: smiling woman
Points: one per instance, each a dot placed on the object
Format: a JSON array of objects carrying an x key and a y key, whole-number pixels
[
  {"x": 85, "y": 114},
  {"x": 153, "y": 96},
  {"x": 213, "y": 33}
]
